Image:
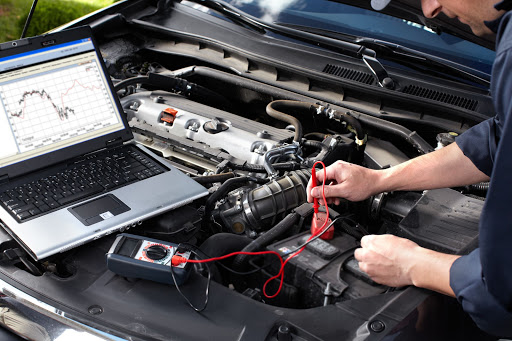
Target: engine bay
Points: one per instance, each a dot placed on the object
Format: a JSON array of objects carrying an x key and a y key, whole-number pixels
[
  {"x": 253, "y": 143},
  {"x": 254, "y": 151}
]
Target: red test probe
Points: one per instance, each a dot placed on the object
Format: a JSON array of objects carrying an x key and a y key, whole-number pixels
[{"x": 320, "y": 219}]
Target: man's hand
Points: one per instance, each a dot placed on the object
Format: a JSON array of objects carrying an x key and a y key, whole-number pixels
[
  {"x": 344, "y": 180},
  {"x": 387, "y": 259},
  {"x": 398, "y": 262}
]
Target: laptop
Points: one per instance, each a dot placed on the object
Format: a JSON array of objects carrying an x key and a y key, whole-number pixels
[{"x": 70, "y": 171}]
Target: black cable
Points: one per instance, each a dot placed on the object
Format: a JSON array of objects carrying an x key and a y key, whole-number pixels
[
  {"x": 356, "y": 225},
  {"x": 207, "y": 291}
]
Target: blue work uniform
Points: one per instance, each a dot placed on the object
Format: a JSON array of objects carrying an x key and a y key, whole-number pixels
[{"x": 482, "y": 280}]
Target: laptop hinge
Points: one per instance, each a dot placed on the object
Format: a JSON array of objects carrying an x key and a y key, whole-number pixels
[
  {"x": 114, "y": 143},
  {"x": 4, "y": 179}
]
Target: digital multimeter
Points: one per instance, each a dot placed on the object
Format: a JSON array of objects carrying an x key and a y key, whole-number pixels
[{"x": 139, "y": 257}]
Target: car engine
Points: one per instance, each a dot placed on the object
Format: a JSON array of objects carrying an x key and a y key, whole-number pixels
[{"x": 253, "y": 146}]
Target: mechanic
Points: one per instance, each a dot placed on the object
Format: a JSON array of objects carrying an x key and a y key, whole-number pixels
[{"x": 482, "y": 280}]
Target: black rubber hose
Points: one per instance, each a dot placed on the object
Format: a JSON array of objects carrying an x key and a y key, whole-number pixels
[
  {"x": 274, "y": 109},
  {"x": 208, "y": 179},
  {"x": 265, "y": 239},
  {"x": 315, "y": 144},
  {"x": 355, "y": 124},
  {"x": 410, "y": 136},
  {"x": 221, "y": 244},
  {"x": 131, "y": 81}
]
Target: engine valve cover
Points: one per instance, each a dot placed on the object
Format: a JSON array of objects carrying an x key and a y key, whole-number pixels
[{"x": 177, "y": 116}]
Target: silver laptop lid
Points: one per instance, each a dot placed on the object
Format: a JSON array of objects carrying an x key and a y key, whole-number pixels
[{"x": 55, "y": 95}]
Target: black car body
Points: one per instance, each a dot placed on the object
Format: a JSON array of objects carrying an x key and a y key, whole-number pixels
[{"x": 335, "y": 95}]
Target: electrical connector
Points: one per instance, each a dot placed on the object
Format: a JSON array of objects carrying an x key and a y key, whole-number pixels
[{"x": 177, "y": 260}]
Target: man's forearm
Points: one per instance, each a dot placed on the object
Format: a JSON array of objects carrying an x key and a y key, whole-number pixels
[
  {"x": 447, "y": 167},
  {"x": 431, "y": 270}
]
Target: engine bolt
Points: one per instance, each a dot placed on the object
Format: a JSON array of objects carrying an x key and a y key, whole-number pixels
[
  {"x": 377, "y": 326},
  {"x": 95, "y": 310}
]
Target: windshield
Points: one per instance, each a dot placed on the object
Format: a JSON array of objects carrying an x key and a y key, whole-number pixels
[{"x": 333, "y": 16}]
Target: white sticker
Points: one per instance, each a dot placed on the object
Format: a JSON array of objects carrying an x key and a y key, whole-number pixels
[{"x": 106, "y": 215}]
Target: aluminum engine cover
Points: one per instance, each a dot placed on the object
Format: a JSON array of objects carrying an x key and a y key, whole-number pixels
[{"x": 177, "y": 116}]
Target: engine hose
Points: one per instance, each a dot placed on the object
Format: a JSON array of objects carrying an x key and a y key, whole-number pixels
[
  {"x": 410, "y": 136},
  {"x": 315, "y": 144},
  {"x": 208, "y": 179},
  {"x": 356, "y": 125},
  {"x": 131, "y": 81},
  {"x": 224, "y": 189},
  {"x": 265, "y": 239},
  {"x": 274, "y": 110},
  {"x": 220, "y": 244}
]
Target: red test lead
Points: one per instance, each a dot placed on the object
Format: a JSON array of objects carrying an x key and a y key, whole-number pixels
[{"x": 320, "y": 219}]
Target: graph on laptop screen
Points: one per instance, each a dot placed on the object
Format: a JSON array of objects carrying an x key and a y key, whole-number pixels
[{"x": 52, "y": 99}]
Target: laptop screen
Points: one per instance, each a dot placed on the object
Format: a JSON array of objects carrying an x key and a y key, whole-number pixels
[{"x": 53, "y": 98}]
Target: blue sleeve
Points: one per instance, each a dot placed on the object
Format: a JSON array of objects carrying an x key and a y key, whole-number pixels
[
  {"x": 496, "y": 219},
  {"x": 468, "y": 283},
  {"x": 479, "y": 144}
]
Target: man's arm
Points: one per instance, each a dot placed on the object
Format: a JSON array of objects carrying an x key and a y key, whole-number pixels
[{"x": 446, "y": 167}]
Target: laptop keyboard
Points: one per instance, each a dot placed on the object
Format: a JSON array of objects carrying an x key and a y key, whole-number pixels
[{"x": 94, "y": 174}]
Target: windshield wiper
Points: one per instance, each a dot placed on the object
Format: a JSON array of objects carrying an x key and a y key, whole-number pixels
[
  {"x": 232, "y": 14},
  {"x": 351, "y": 49},
  {"x": 404, "y": 55}
]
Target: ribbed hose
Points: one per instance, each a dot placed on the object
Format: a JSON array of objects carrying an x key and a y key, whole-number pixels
[{"x": 480, "y": 188}]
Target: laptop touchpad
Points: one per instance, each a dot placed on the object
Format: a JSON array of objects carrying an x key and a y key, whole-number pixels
[{"x": 100, "y": 209}]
